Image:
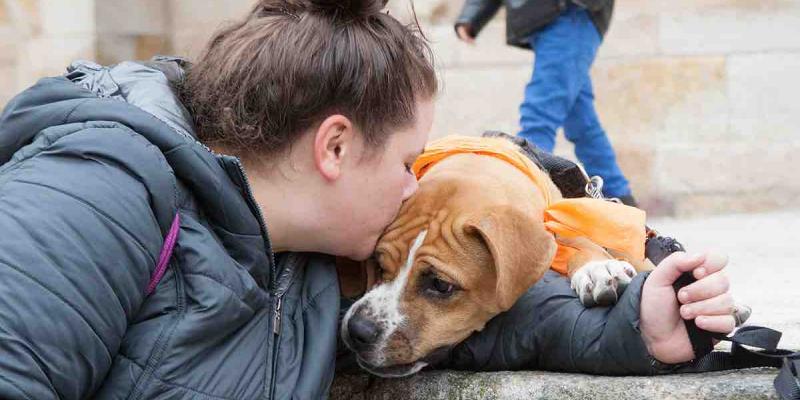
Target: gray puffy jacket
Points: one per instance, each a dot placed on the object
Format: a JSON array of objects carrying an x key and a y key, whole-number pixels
[{"x": 94, "y": 166}]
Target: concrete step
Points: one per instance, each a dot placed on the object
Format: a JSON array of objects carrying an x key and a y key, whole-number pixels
[{"x": 755, "y": 383}]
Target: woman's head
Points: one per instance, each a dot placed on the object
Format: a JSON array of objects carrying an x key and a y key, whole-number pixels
[
  {"x": 266, "y": 80},
  {"x": 336, "y": 95}
]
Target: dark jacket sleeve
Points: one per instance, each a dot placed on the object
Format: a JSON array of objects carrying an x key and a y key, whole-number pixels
[
  {"x": 78, "y": 242},
  {"x": 477, "y": 13},
  {"x": 549, "y": 329},
  {"x": 592, "y": 5}
]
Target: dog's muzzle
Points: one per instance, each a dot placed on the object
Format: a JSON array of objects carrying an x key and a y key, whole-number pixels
[{"x": 361, "y": 334}]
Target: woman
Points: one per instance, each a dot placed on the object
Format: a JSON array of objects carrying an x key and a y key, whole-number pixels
[{"x": 324, "y": 105}]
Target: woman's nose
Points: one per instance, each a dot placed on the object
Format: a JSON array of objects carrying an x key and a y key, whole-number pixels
[{"x": 411, "y": 186}]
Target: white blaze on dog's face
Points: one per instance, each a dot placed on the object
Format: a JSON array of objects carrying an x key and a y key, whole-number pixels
[
  {"x": 462, "y": 249},
  {"x": 375, "y": 318}
]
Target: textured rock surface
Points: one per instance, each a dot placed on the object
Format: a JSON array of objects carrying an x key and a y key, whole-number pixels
[{"x": 745, "y": 384}]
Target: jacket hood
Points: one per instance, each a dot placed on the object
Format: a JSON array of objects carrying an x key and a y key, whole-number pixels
[{"x": 141, "y": 96}]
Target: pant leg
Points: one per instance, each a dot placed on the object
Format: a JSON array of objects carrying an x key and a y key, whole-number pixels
[
  {"x": 592, "y": 146},
  {"x": 563, "y": 53}
]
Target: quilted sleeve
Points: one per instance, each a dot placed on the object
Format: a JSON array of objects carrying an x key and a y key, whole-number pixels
[
  {"x": 78, "y": 242},
  {"x": 549, "y": 329}
]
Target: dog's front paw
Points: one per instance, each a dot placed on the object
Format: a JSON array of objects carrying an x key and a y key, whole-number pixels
[{"x": 600, "y": 283}]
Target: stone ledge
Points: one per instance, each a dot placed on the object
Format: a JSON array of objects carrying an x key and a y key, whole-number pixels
[{"x": 753, "y": 383}]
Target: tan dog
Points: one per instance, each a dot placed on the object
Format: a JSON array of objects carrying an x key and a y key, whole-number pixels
[{"x": 464, "y": 248}]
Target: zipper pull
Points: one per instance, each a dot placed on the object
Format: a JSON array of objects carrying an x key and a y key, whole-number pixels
[{"x": 276, "y": 321}]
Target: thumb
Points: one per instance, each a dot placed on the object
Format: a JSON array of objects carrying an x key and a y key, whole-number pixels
[{"x": 672, "y": 267}]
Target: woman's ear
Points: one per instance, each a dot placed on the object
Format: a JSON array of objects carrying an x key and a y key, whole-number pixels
[{"x": 333, "y": 142}]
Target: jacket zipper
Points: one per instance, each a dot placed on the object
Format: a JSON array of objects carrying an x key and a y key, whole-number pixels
[
  {"x": 278, "y": 302},
  {"x": 276, "y": 320},
  {"x": 261, "y": 222},
  {"x": 276, "y": 333}
]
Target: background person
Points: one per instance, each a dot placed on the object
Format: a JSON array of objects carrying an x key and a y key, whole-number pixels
[{"x": 565, "y": 36}]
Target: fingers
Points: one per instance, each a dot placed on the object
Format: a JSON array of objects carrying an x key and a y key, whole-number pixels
[
  {"x": 701, "y": 266},
  {"x": 706, "y": 288},
  {"x": 671, "y": 268},
  {"x": 715, "y": 323},
  {"x": 718, "y": 305},
  {"x": 714, "y": 262}
]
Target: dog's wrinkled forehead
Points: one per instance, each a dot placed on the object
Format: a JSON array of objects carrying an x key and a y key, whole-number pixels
[{"x": 396, "y": 250}]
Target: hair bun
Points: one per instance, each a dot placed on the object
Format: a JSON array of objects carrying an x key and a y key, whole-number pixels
[{"x": 347, "y": 8}]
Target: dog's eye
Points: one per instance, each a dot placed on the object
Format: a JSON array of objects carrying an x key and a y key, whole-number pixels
[
  {"x": 442, "y": 286},
  {"x": 431, "y": 285},
  {"x": 436, "y": 287}
]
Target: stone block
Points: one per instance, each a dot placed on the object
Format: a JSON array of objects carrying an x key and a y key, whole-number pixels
[
  {"x": 148, "y": 46},
  {"x": 631, "y": 35},
  {"x": 8, "y": 85},
  {"x": 669, "y": 100},
  {"x": 443, "y": 44},
  {"x": 132, "y": 17},
  {"x": 474, "y": 100},
  {"x": 637, "y": 164},
  {"x": 730, "y": 31},
  {"x": 433, "y": 385},
  {"x": 112, "y": 48},
  {"x": 67, "y": 18},
  {"x": 490, "y": 49},
  {"x": 189, "y": 43},
  {"x": 28, "y": 16},
  {"x": 9, "y": 40},
  {"x": 5, "y": 14},
  {"x": 733, "y": 169},
  {"x": 674, "y": 7},
  {"x": 50, "y": 56},
  {"x": 757, "y": 201},
  {"x": 763, "y": 97},
  {"x": 205, "y": 15},
  {"x": 428, "y": 12}
]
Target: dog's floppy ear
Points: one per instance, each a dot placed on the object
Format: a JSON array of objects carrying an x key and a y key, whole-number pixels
[
  {"x": 356, "y": 277},
  {"x": 521, "y": 248}
]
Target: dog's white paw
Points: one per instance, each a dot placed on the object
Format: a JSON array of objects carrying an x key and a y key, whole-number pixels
[{"x": 600, "y": 283}]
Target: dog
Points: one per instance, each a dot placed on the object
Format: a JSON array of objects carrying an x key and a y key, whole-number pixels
[{"x": 482, "y": 228}]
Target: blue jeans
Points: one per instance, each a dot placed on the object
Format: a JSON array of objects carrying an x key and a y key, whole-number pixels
[{"x": 560, "y": 94}]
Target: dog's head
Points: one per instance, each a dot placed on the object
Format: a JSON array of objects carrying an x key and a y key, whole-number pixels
[{"x": 464, "y": 248}]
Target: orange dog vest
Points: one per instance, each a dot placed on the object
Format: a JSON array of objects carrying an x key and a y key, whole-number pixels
[{"x": 611, "y": 225}]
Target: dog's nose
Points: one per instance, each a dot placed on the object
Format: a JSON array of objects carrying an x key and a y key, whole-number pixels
[{"x": 363, "y": 332}]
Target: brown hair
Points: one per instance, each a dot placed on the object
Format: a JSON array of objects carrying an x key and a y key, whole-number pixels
[{"x": 291, "y": 63}]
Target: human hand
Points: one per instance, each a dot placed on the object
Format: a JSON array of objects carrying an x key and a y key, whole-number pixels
[
  {"x": 707, "y": 301},
  {"x": 465, "y": 34}
]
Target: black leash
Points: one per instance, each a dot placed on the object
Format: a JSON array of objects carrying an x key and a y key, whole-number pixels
[
  {"x": 572, "y": 182},
  {"x": 787, "y": 383}
]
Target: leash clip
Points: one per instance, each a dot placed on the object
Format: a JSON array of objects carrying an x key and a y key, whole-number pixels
[{"x": 594, "y": 188}]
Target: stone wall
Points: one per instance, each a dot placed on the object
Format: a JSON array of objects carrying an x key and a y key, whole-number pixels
[{"x": 697, "y": 95}]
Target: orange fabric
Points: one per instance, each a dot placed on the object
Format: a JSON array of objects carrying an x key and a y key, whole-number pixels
[{"x": 611, "y": 225}]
